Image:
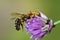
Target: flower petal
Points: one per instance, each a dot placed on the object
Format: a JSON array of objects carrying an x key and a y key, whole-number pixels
[
  {"x": 45, "y": 28},
  {"x": 50, "y": 25},
  {"x": 43, "y": 15}
]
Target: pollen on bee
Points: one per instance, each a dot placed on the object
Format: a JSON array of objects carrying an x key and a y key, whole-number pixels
[{"x": 33, "y": 14}]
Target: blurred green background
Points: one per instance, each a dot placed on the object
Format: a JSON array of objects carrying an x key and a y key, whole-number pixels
[{"x": 49, "y": 7}]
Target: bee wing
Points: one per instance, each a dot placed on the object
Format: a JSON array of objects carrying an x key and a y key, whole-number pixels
[
  {"x": 15, "y": 15},
  {"x": 43, "y": 15},
  {"x": 13, "y": 18}
]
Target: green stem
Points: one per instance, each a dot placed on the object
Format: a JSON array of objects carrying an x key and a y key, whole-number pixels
[{"x": 57, "y": 22}]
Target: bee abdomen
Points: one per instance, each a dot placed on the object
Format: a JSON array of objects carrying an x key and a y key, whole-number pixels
[
  {"x": 17, "y": 27},
  {"x": 17, "y": 24}
]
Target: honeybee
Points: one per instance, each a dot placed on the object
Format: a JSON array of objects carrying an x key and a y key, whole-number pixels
[{"x": 21, "y": 18}]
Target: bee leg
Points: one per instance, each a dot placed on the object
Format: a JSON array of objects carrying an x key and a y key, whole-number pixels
[{"x": 21, "y": 25}]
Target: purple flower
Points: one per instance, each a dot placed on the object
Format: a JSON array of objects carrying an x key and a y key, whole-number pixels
[{"x": 39, "y": 25}]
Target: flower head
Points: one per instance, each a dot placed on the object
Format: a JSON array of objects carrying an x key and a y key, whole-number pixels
[{"x": 38, "y": 26}]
